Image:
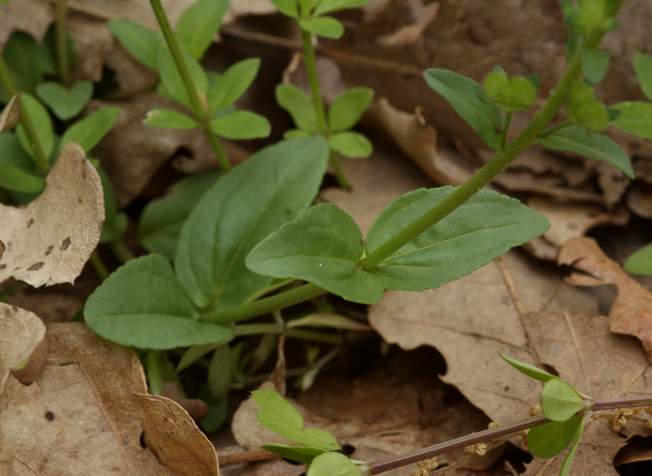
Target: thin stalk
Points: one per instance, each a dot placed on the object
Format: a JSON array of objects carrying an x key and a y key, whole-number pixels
[
  {"x": 121, "y": 251},
  {"x": 155, "y": 371},
  {"x": 99, "y": 266},
  {"x": 201, "y": 114},
  {"x": 314, "y": 336},
  {"x": 393, "y": 462},
  {"x": 273, "y": 287},
  {"x": 504, "y": 135},
  {"x": 280, "y": 328},
  {"x": 310, "y": 61},
  {"x": 8, "y": 83},
  {"x": 62, "y": 41},
  {"x": 265, "y": 306}
]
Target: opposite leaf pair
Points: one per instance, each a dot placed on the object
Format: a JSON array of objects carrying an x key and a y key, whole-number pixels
[{"x": 312, "y": 14}]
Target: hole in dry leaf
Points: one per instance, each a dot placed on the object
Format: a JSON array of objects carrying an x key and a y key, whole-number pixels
[
  {"x": 141, "y": 440},
  {"x": 182, "y": 151},
  {"x": 516, "y": 457},
  {"x": 49, "y": 416},
  {"x": 348, "y": 449},
  {"x": 635, "y": 458},
  {"x": 550, "y": 369}
]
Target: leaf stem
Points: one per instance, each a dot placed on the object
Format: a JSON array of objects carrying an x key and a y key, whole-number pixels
[
  {"x": 99, "y": 266},
  {"x": 266, "y": 305},
  {"x": 201, "y": 113},
  {"x": 154, "y": 371},
  {"x": 121, "y": 251},
  {"x": 8, "y": 83},
  {"x": 61, "y": 41},
  {"x": 393, "y": 462},
  {"x": 310, "y": 61},
  {"x": 503, "y": 137}
]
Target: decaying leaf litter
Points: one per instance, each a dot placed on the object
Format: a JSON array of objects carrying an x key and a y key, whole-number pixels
[{"x": 519, "y": 304}]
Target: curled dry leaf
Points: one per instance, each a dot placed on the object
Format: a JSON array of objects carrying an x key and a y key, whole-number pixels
[
  {"x": 423, "y": 15},
  {"x": 631, "y": 312},
  {"x": 10, "y": 115},
  {"x": 21, "y": 333},
  {"x": 514, "y": 306},
  {"x": 29, "y": 16},
  {"x": 568, "y": 220},
  {"x": 196, "y": 408},
  {"x": 49, "y": 241},
  {"x": 639, "y": 200},
  {"x": 84, "y": 415}
]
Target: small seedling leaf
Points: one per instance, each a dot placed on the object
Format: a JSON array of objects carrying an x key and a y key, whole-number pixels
[
  {"x": 278, "y": 415},
  {"x": 299, "y": 105},
  {"x": 595, "y": 64},
  {"x": 143, "y": 305},
  {"x": 287, "y": 7},
  {"x": 241, "y": 125},
  {"x": 329, "y": 6},
  {"x": 560, "y": 401},
  {"x": 511, "y": 93},
  {"x": 322, "y": 246},
  {"x": 300, "y": 454},
  {"x": 470, "y": 101},
  {"x": 15, "y": 178},
  {"x": 196, "y": 352},
  {"x": 351, "y": 144},
  {"x": 527, "y": 369},
  {"x": 198, "y": 26},
  {"x": 483, "y": 228},
  {"x": 171, "y": 79},
  {"x": 65, "y": 102},
  {"x": 585, "y": 109},
  {"x": 88, "y": 131},
  {"x": 550, "y": 439},
  {"x": 240, "y": 209},
  {"x": 643, "y": 68},
  {"x": 326, "y": 27},
  {"x": 162, "y": 220},
  {"x": 348, "y": 107},
  {"x": 333, "y": 464},
  {"x": 590, "y": 145},
  {"x": 220, "y": 372},
  {"x": 640, "y": 262},
  {"x": 142, "y": 43},
  {"x": 32, "y": 108},
  {"x": 634, "y": 117},
  {"x": 231, "y": 85},
  {"x": 169, "y": 119}
]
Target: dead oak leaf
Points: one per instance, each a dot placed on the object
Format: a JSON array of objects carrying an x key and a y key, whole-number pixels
[
  {"x": 515, "y": 306},
  {"x": 85, "y": 415},
  {"x": 631, "y": 313},
  {"x": 29, "y": 16},
  {"x": 49, "y": 240}
]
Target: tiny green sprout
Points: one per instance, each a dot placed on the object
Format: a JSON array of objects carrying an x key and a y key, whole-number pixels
[
  {"x": 640, "y": 262},
  {"x": 584, "y": 108},
  {"x": 511, "y": 93}
]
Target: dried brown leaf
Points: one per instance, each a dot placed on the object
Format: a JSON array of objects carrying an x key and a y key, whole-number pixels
[
  {"x": 631, "y": 313},
  {"x": 639, "y": 200},
  {"x": 29, "y": 16},
  {"x": 409, "y": 34},
  {"x": 49, "y": 241},
  {"x": 83, "y": 415}
]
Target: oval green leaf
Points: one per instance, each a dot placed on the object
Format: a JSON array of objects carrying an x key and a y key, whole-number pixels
[
  {"x": 348, "y": 107},
  {"x": 640, "y": 262},
  {"x": 141, "y": 43},
  {"x": 560, "y": 401},
  {"x": 88, "y": 131},
  {"x": 15, "y": 178},
  {"x": 351, "y": 145},
  {"x": 32, "y": 108},
  {"x": 169, "y": 119},
  {"x": 299, "y": 105},
  {"x": 333, "y": 464},
  {"x": 643, "y": 68},
  {"x": 550, "y": 439},
  {"x": 527, "y": 369},
  {"x": 241, "y": 125},
  {"x": 326, "y": 27},
  {"x": 198, "y": 26},
  {"x": 635, "y": 118},
  {"x": 231, "y": 85}
]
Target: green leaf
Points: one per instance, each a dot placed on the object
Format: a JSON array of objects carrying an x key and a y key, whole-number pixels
[
  {"x": 585, "y": 109},
  {"x": 287, "y": 7},
  {"x": 259, "y": 195},
  {"x": 88, "y": 131},
  {"x": 643, "y": 68},
  {"x": 171, "y": 79},
  {"x": 328, "y": 6},
  {"x": 141, "y": 43},
  {"x": 231, "y": 85},
  {"x": 115, "y": 222},
  {"x": 142, "y": 304},
  {"x": 550, "y": 439},
  {"x": 511, "y": 93},
  {"x": 299, "y": 105},
  {"x": 65, "y": 102},
  {"x": 351, "y": 144},
  {"x": 590, "y": 145},
  {"x": 326, "y": 27},
  {"x": 322, "y": 246},
  {"x": 32, "y": 108},
  {"x": 198, "y": 26},
  {"x": 559, "y": 400},
  {"x": 348, "y": 107},
  {"x": 295, "y": 133},
  {"x": 241, "y": 125},
  {"x": 278, "y": 415},
  {"x": 15, "y": 178},
  {"x": 24, "y": 58},
  {"x": 333, "y": 464},
  {"x": 162, "y": 220},
  {"x": 568, "y": 460},
  {"x": 196, "y": 352},
  {"x": 595, "y": 64},
  {"x": 640, "y": 262},
  {"x": 300, "y": 454},
  {"x": 470, "y": 101},
  {"x": 483, "y": 228},
  {"x": 169, "y": 119},
  {"x": 527, "y": 369},
  {"x": 634, "y": 117},
  {"x": 220, "y": 372}
]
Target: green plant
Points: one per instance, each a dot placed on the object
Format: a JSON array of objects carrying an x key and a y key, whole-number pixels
[{"x": 565, "y": 412}]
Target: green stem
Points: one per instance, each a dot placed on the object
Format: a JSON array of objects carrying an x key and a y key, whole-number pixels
[
  {"x": 99, "y": 266},
  {"x": 201, "y": 114},
  {"x": 504, "y": 135},
  {"x": 280, "y": 328},
  {"x": 314, "y": 336},
  {"x": 271, "y": 288},
  {"x": 8, "y": 83},
  {"x": 485, "y": 174},
  {"x": 257, "y": 329},
  {"x": 62, "y": 41},
  {"x": 310, "y": 61},
  {"x": 264, "y": 306},
  {"x": 121, "y": 251},
  {"x": 155, "y": 371}
]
